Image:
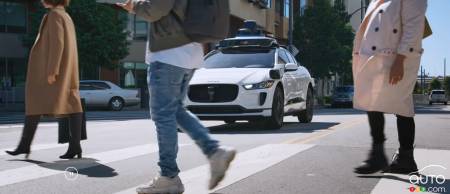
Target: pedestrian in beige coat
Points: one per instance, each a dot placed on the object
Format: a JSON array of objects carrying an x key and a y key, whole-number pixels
[
  {"x": 52, "y": 85},
  {"x": 386, "y": 58}
]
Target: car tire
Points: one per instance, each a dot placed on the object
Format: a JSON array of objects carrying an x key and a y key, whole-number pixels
[
  {"x": 306, "y": 116},
  {"x": 445, "y": 103},
  {"x": 430, "y": 103},
  {"x": 230, "y": 121},
  {"x": 116, "y": 104},
  {"x": 276, "y": 120}
]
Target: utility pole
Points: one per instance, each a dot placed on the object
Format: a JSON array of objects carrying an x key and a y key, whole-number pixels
[
  {"x": 445, "y": 68},
  {"x": 291, "y": 25},
  {"x": 421, "y": 79},
  {"x": 362, "y": 13}
]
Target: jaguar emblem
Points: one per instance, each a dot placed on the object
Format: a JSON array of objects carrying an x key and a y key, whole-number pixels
[{"x": 211, "y": 92}]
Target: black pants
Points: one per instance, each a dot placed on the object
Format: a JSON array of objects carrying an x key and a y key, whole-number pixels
[{"x": 405, "y": 126}]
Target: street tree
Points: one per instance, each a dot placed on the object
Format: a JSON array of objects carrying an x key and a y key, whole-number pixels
[
  {"x": 435, "y": 84},
  {"x": 325, "y": 40},
  {"x": 447, "y": 85},
  {"x": 101, "y": 35}
]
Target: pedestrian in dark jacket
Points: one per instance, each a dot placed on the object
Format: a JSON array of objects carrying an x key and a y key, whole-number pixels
[{"x": 169, "y": 74}]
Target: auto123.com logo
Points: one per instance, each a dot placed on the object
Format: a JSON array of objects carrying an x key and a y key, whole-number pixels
[{"x": 432, "y": 182}]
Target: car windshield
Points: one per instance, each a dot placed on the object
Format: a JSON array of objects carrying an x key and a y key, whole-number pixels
[
  {"x": 241, "y": 58},
  {"x": 344, "y": 89},
  {"x": 438, "y": 92}
]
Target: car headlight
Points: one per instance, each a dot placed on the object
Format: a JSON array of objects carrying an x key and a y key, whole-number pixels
[{"x": 260, "y": 85}]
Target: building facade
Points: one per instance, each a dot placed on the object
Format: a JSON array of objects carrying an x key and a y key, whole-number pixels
[
  {"x": 13, "y": 55},
  {"x": 270, "y": 15}
]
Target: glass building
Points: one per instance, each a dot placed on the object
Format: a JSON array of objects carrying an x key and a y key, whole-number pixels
[{"x": 13, "y": 55}]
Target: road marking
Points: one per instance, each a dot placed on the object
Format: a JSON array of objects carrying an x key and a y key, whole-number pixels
[
  {"x": 35, "y": 148},
  {"x": 427, "y": 160},
  {"x": 21, "y": 126},
  {"x": 324, "y": 132},
  {"x": 246, "y": 164},
  {"x": 32, "y": 172}
]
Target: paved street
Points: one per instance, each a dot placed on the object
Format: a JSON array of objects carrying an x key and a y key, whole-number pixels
[{"x": 121, "y": 153}]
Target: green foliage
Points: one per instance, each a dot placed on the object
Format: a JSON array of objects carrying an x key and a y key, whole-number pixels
[
  {"x": 435, "y": 84},
  {"x": 447, "y": 85},
  {"x": 101, "y": 36},
  {"x": 325, "y": 40}
]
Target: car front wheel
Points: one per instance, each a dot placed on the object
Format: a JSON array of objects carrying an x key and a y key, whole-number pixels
[
  {"x": 306, "y": 115},
  {"x": 276, "y": 120},
  {"x": 116, "y": 104}
]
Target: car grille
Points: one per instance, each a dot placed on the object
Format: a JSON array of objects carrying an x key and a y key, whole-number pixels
[
  {"x": 213, "y": 93},
  {"x": 233, "y": 109}
]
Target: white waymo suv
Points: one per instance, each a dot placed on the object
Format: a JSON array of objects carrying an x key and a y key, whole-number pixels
[{"x": 254, "y": 79}]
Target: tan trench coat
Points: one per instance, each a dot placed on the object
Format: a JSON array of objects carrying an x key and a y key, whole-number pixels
[
  {"x": 390, "y": 27},
  {"x": 53, "y": 53}
]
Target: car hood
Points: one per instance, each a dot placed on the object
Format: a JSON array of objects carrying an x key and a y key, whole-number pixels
[{"x": 230, "y": 76}]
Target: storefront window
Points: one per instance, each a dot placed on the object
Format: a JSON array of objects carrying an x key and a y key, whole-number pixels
[
  {"x": 279, "y": 6},
  {"x": 12, "y": 73},
  {"x": 302, "y": 6},
  {"x": 286, "y": 8},
  {"x": 18, "y": 69},
  {"x": 140, "y": 28},
  {"x": 133, "y": 75},
  {"x": 13, "y": 17}
]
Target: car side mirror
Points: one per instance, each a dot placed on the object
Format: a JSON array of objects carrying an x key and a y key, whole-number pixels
[
  {"x": 275, "y": 74},
  {"x": 291, "y": 67}
]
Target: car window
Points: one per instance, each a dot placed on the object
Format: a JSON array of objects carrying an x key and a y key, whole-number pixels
[
  {"x": 291, "y": 58},
  {"x": 282, "y": 54},
  {"x": 438, "y": 92},
  {"x": 241, "y": 58},
  {"x": 85, "y": 86},
  {"x": 344, "y": 89},
  {"x": 281, "y": 61},
  {"x": 101, "y": 86}
]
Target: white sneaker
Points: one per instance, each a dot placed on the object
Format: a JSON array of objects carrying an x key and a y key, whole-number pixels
[
  {"x": 162, "y": 185},
  {"x": 219, "y": 163}
]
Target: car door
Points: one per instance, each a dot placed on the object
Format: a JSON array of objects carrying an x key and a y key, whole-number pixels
[
  {"x": 288, "y": 77},
  {"x": 102, "y": 93},
  {"x": 301, "y": 78},
  {"x": 86, "y": 90}
]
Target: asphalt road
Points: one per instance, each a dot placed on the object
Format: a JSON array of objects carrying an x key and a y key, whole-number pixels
[{"x": 121, "y": 153}]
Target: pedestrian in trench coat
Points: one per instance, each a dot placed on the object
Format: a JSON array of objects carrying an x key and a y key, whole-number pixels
[
  {"x": 52, "y": 84},
  {"x": 386, "y": 58}
]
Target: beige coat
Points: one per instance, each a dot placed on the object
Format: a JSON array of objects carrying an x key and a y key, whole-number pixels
[
  {"x": 387, "y": 30},
  {"x": 54, "y": 53}
]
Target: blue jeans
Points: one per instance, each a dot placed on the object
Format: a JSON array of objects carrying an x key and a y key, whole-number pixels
[{"x": 168, "y": 86}]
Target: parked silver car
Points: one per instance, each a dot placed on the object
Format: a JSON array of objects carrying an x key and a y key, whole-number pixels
[
  {"x": 99, "y": 93},
  {"x": 343, "y": 96},
  {"x": 437, "y": 96}
]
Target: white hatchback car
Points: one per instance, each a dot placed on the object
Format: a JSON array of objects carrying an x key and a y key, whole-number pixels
[
  {"x": 106, "y": 94},
  {"x": 437, "y": 96},
  {"x": 254, "y": 79}
]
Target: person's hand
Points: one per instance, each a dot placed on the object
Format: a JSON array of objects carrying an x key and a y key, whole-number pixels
[
  {"x": 51, "y": 79},
  {"x": 128, "y": 5},
  {"x": 397, "y": 70}
]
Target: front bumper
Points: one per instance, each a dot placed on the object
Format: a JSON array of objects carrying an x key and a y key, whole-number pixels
[
  {"x": 223, "y": 112},
  {"x": 248, "y": 104}
]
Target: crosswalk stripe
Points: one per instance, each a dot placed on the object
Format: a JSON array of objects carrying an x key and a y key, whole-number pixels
[
  {"x": 430, "y": 162},
  {"x": 35, "y": 147},
  {"x": 246, "y": 164},
  {"x": 32, "y": 172}
]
